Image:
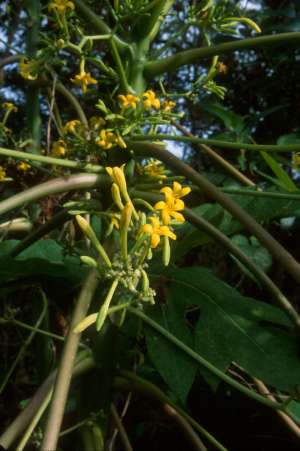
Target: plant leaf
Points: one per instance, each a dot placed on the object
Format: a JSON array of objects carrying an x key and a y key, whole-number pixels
[{"x": 177, "y": 369}]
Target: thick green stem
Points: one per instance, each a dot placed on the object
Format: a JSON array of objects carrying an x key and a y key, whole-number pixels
[
  {"x": 84, "y": 363},
  {"x": 217, "y": 143},
  {"x": 64, "y": 373},
  {"x": 19, "y": 155},
  {"x": 55, "y": 186},
  {"x": 169, "y": 64},
  {"x": 34, "y": 122},
  {"x": 148, "y": 26},
  {"x": 203, "y": 362},
  {"x": 275, "y": 248}
]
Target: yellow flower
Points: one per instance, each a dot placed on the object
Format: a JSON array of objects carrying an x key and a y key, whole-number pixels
[
  {"x": 170, "y": 209},
  {"x": 173, "y": 203},
  {"x": 106, "y": 139},
  {"x": 70, "y": 126},
  {"x": 168, "y": 105},
  {"x": 155, "y": 169},
  {"x": 28, "y": 69},
  {"x": 177, "y": 192},
  {"x": 59, "y": 148},
  {"x": 151, "y": 100},
  {"x": 10, "y": 106},
  {"x": 222, "y": 68},
  {"x": 128, "y": 101},
  {"x": 296, "y": 159},
  {"x": 83, "y": 80},
  {"x": 2, "y": 173},
  {"x": 156, "y": 230},
  {"x": 60, "y": 6},
  {"x": 23, "y": 166}
]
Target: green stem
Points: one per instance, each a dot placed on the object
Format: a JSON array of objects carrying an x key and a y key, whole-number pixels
[
  {"x": 122, "y": 431},
  {"x": 34, "y": 422},
  {"x": 216, "y": 157},
  {"x": 55, "y": 186},
  {"x": 120, "y": 69},
  {"x": 148, "y": 26},
  {"x": 19, "y": 155},
  {"x": 217, "y": 143},
  {"x": 26, "y": 343},
  {"x": 272, "y": 195},
  {"x": 169, "y": 64},
  {"x": 131, "y": 382},
  {"x": 64, "y": 373},
  {"x": 99, "y": 25},
  {"x": 193, "y": 438},
  {"x": 203, "y": 362},
  {"x": 200, "y": 223},
  {"x": 34, "y": 122},
  {"x": 275, "y": 248},
  {"x": 16, "y": 322},
  {"x": 18, "y": 225},
  {"x": 84, "y": 363},
  {"x": 10, "y": 60},
  {"x": 74, "y": 102}
]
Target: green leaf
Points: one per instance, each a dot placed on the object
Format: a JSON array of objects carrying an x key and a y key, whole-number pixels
[
  {"x": 261, "y": 208},
  {"x": 282, "y": 175},
  {"x": 253, "y": 249},
  {"x": 232, "y": 121},
  {"x": 43, "y": 258},
  {"x": 290, "y": 138},
  {"x": 294, "y": 410},
  {"x": 257, "y": 336},
  {"x": 176, "y": 368}
]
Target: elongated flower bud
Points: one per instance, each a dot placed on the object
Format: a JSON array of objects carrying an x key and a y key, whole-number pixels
[
  {"x": 126, "y": 216},
  {"x": 85, "y": 323},
  {"x": 90, "y": 234},
  {"x": 115, "y": 192},
  {"x": 105, "y": 306},
  {"x": 89, "y": 261}
]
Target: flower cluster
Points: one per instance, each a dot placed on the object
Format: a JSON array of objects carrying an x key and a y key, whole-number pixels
[
  {"x": 23, "y": 166},
  {"x": 148, "y": 99},
  {"x": 28, "y": 68},
  {"x": 107, "y": 139},
  {"x": 137, "y": 235},
  {"x": 59, "y": 148}
]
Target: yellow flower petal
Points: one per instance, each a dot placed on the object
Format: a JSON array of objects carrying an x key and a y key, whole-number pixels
[{"x": 155, "y": 239}]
